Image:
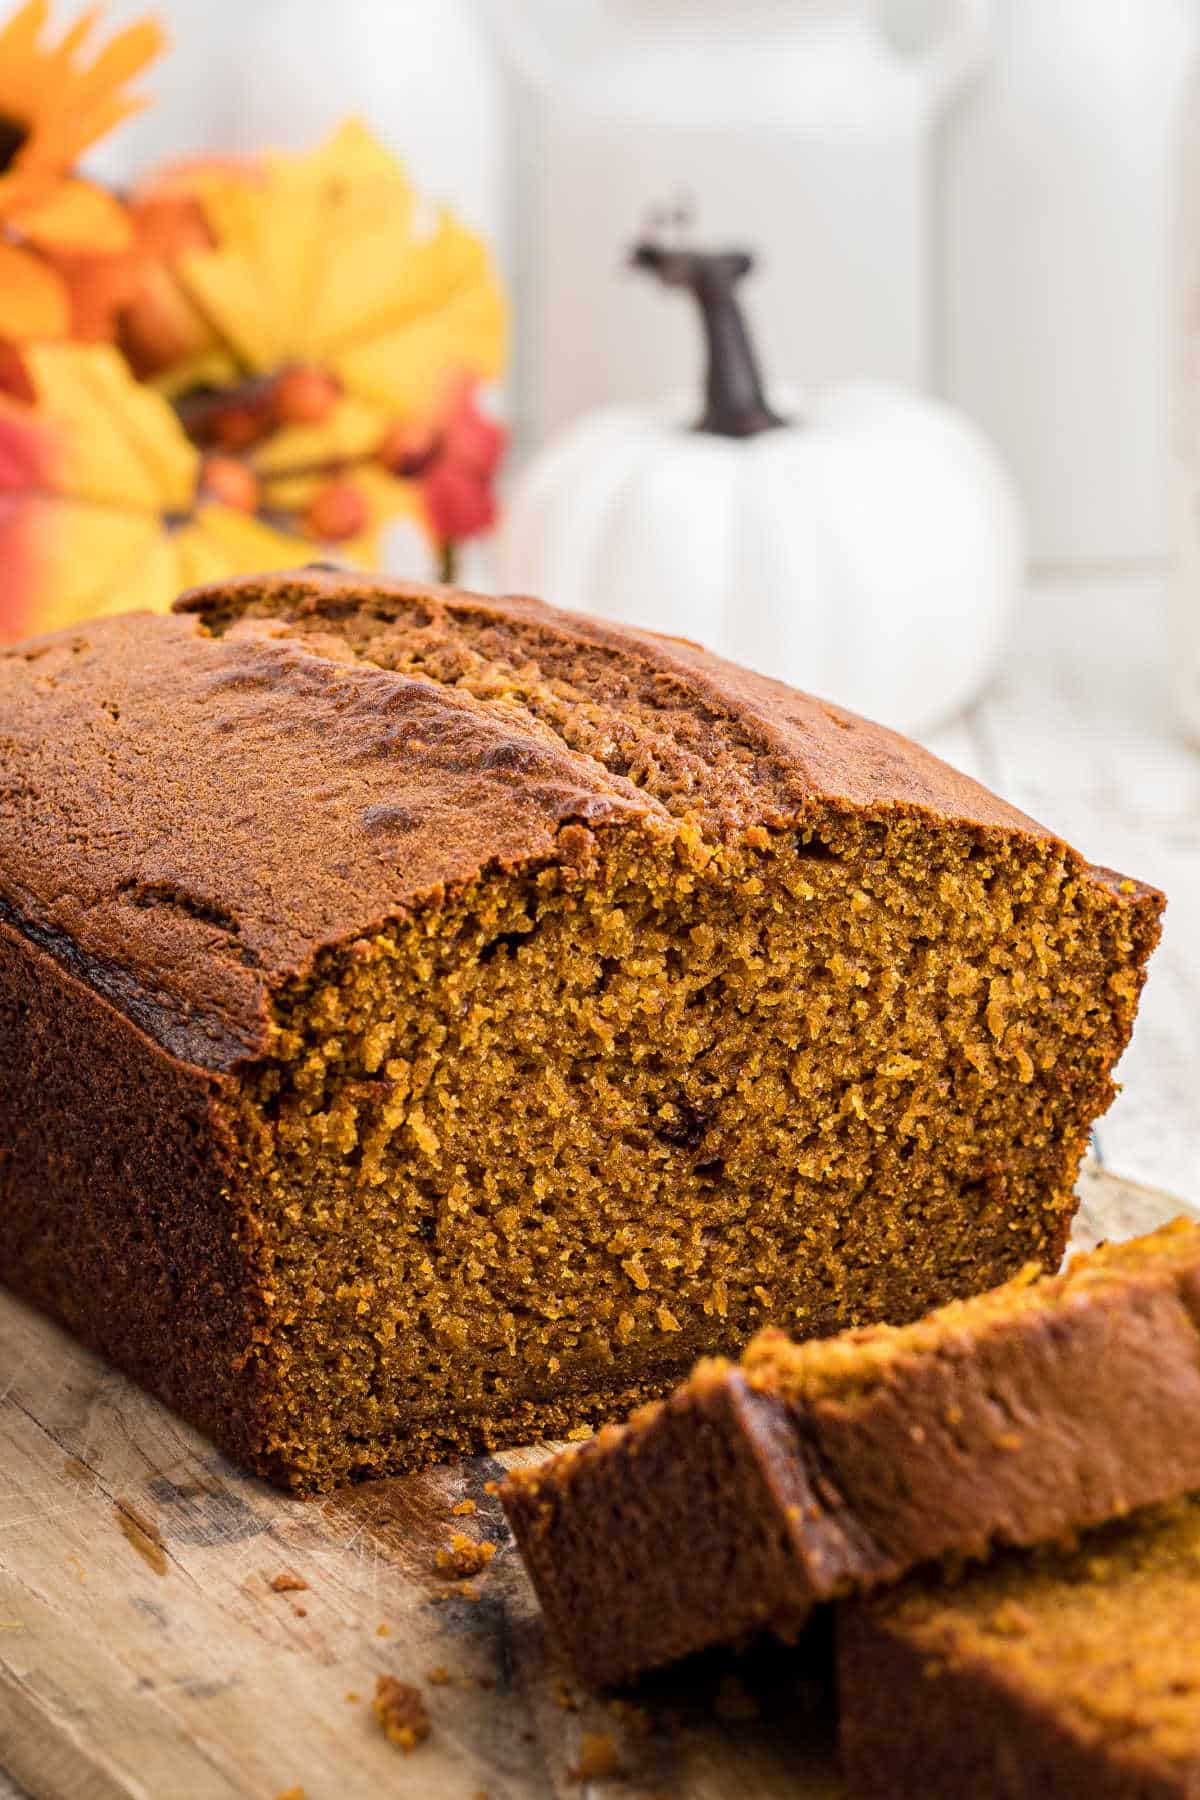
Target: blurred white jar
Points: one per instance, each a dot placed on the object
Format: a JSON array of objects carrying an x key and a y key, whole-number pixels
[
  {"x": 1184, "y": 483},
  {"x": 798, "y": 128},
  {"x": 1055, "y": 183},
  {"x": 860, "y": 541}
]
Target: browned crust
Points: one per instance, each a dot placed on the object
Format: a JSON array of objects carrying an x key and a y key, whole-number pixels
[
  {"x": 120, "y": 1205},
  {"x": 144, "y": 753},
  {"x": 727, "y": 1509},
  {"x": 817, "y": 749}
]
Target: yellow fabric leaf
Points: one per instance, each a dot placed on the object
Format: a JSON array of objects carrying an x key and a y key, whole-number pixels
[
  {"x": 213, "y": 368},
  {"x": 409, "y": 368},
  {"x": 351, "y": 430},
  {"x": 363, "y": 296},
  {"x": 147, "y": 584},
  {"x": 200, "y": 557},
  {"x": 325, "y": 261},
  {"x": 33, "y": 300},
  {"x": 353, "y": 155},
  {"x": 75, "y": 216},
  {"x": 219, "y": 542},
  {"x": 19, "y": 57},
  {"x": 118, "y": 443},
  {"x": 85, "y": 559},
  {"x": 77, "y": 33}
]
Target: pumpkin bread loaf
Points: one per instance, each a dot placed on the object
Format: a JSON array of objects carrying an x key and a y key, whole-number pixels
[
  {"x": 429, "y": 1022},
  {"x": 807, "y": 1470},
  {"x": 1070, "y": 1674}
]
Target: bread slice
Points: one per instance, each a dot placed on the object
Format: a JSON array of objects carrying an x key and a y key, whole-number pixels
[
  {"x": 429, "y": 1022},
  {"x": 810, "y": 1470},
  {"x": 1065, "y": 1675}
]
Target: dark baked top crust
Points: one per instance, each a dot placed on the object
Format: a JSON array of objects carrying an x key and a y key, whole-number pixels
[{"x": 192, "y": 806}]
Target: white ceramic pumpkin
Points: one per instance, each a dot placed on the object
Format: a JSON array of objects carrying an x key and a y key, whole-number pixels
[{"x": 864, "y": 544}]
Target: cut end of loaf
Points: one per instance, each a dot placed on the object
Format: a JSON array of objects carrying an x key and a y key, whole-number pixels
[{"x": 520, "y": 1159}]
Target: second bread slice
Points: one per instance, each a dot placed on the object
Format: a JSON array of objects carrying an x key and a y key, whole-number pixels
[
  {"x": 1066, "y": 1674},
  {"x": 805, "y": 1471}
]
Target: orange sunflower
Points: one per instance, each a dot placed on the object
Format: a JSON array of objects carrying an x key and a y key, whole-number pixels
[{"x": 56, "y": 99}]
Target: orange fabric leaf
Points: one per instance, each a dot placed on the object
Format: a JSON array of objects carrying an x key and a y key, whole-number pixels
[
  {"x": 75, "y": 217},
  {"x": 33, "y": 299}
]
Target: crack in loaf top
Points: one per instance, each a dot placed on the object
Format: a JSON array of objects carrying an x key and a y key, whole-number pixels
[
  {"x": 711, "y": 740},
  {"x": 192, "y": 806}
]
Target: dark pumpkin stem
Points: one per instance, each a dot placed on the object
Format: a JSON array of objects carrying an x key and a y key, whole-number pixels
[{"x": 734, "y": 402}]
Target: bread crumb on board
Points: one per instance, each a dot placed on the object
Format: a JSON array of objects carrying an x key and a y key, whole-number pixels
[
  {"x": 598, "y": 1759},
  {"x": 465, "y": 1509},
  {"x": 401, "y": 1712},
  {"x": 466, "y": 1555},
  {"x": 563, "y": 1696},
  {"x": 287, "y": 1583}
]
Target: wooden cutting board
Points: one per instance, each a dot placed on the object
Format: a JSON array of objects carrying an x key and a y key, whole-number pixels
[{"x": 149, "y": 1649}]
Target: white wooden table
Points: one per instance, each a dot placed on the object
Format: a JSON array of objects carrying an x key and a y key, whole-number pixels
[{"x": 1077, "y": 731}]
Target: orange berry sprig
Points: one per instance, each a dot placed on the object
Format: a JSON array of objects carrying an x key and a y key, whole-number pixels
[
  {"x": 336, "y": 512},
  {"x": 231, "y": 422},
  {"x": 451, "y": 466},
  {"x": 303, "y": 395},
  {"x": 238, "y": 418},
  {"x": 230, "y": 482}
]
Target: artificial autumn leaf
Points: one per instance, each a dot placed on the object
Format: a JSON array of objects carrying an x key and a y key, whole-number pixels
[
  {"x": 102, "y": 507},
  {"x": 75, "y": 217},
  {"x": 323, "y": 261},
  {"x": 55, "y": 101},
  {"x": 33, "y": 300},
  {"x": 131, "y": 296},
  {"x": 157, "y": 325}
]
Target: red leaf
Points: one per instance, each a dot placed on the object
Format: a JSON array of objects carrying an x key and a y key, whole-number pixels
[{"x": 458, "y": 502}]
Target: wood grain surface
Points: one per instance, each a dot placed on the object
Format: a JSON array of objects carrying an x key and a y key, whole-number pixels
[{"x": 156, "y": 1641}]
